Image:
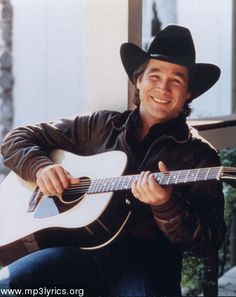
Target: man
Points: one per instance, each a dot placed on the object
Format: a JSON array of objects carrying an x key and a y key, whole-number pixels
[{"x": 145, "y": 260}]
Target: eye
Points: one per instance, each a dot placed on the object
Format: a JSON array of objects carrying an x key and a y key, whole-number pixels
[
  {"x": 176, "y": 82},
  {"x": 154, "y": 77}
]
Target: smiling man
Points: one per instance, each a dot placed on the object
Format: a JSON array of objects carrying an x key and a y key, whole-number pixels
[
  {"x": 145, "y": 259},
  {"x": 163, "y": 92}
]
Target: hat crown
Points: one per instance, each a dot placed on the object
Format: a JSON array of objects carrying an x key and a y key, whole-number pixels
[{"x": 174, "y": 43}]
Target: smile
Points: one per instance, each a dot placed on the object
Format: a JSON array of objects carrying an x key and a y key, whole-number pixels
[{"x": 162, "y": 101}]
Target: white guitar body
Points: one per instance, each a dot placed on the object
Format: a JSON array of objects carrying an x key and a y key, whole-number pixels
[
  {"x": 88, "y": 215},
  {"x": 22, "y": 232}
]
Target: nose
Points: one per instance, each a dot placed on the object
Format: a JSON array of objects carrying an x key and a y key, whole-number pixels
[{"x": 163, "y": 85}]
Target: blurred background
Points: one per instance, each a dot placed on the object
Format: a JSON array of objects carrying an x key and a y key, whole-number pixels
[{"x": 61, "y": 57}]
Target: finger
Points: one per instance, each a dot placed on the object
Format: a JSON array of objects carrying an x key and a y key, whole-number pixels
[
  {"x": 73, "y": 180},
  {"x": 54, "y": 182},
  {"x": 140, "y": 182},
  {"x": 162, "y": 167},
  {"x": 153, "y": 184},
  {"x": 143, "y": 186},
  {"x": 46, "y": 186},
  {"x": 145, "y": 182},
  {"x": 48, "y": 179},
  {"x": 42, "y": 187},
  {"x": 159, "y": 193},
  {"x": 63, "y": 176},
  {"x": 134, "y": 189}
]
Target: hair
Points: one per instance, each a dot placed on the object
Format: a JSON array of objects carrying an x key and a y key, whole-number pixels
[{"x": 186, "y": 109}]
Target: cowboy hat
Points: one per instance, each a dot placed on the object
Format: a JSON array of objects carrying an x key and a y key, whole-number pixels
[{"x": 173, "y": 44}]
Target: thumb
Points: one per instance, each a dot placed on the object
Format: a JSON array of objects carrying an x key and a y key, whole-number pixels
[
  {"x": 73, "y": 180},
  {"x": 162, "y": 167}
]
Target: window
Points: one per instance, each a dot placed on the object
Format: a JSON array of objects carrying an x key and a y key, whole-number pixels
[{"x": 210, "y": 22}]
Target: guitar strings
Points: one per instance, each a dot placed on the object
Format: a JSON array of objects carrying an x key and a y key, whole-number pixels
[
  {"x": 124, "y": 178},
  {"x": 174, "y": 177},
  {"x": 83, "y": 186}
]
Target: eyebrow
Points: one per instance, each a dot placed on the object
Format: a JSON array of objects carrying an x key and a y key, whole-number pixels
[{"x": 177, "y": 73}]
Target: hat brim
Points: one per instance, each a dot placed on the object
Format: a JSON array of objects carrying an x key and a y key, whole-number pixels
[{"x": 203, "y": 75}]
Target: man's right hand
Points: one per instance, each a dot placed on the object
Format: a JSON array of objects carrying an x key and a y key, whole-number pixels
[{"x": 54, "y": 179}]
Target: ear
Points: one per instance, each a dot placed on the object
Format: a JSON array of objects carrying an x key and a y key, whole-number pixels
[
  {"x": 189, "y": 94},
  {"x": 138, "y": 82}
]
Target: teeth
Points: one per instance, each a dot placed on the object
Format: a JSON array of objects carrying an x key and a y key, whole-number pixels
[{"x": 160, "y": 100}]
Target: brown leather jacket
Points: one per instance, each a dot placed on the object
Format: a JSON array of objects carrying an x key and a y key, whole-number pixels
[{"x": 191, "y": 220}]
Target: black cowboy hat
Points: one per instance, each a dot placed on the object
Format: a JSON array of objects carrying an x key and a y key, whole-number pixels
[{"x": 173, "y": 44}]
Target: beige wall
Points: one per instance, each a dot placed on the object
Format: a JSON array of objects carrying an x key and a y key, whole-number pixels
[
  {"x": 66, "y": 57},
  {"x": 106, "y": 30}
]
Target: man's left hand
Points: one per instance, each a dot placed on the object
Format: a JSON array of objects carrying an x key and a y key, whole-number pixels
[{"x": 147, "y": 189}]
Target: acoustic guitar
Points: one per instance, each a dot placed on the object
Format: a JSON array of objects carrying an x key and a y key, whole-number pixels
[{"x": 87, "y": 214}]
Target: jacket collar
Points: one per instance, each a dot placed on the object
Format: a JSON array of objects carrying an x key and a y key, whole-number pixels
[{"x": 177, "y": 129}]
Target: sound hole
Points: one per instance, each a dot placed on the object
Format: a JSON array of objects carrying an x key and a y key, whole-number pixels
[
  {"x": 76, "y": 192},
  {"x": 52, "y": 205}
]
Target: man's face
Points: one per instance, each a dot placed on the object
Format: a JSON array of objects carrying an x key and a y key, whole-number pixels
[{"x": 163, "y": 90}]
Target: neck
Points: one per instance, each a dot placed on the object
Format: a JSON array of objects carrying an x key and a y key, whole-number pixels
[
  {"x": 173, "y": 126},
  {"x": 143, "y": 131},
  {"x": 145, "y": 124}
]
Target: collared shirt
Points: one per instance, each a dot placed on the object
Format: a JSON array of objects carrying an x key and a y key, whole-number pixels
[{"x": 176, "y": 128}]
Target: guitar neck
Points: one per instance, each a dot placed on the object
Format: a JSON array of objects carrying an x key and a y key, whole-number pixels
[{"x": 178, "y": 177}]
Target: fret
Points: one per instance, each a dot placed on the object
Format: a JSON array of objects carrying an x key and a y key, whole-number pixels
[
  {"x": 182, "y": 176},
  {"x": 117, "y": 184},
  {"x": 186, "y": 178},
  {"x": 165, "y": 178},
  {"x": 112, "y": 184},
  {"x": 207, "y": 173},
  {"x": 214, "y": 172},
  {"x": 217, "y": 172},
  {"x": 91, "y": 187},
  {"x": 158, "y": 177},
  {"x": 202, "y": 174},
  {"x": 104, "y": 185},
  {"x": 177, "y": 179},
  {"x": 108, "y": 184},
  {"x": 127, "y": 182},
  {"x": 168, "y": 181},
  {"x": 122, "y": 183},
  {"x": 173, "y": 177},
  {"x": 191, "y": 176},
  {"x": 132, "y": 179},
  {"x": 101, "y": 186},
  {"x": 160, "y": 180},
  {"x": 196, "y": 176},
  {"x": 94, "y": 186}
]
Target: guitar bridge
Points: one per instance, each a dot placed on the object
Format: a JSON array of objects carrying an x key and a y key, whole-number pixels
[{"x": 34, "y": 200}]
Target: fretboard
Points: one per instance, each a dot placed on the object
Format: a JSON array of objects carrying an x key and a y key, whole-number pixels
[{"x": 178, "y": 177}]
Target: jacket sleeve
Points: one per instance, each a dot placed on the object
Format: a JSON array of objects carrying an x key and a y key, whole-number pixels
[
  {"x": 26, "y": 149},
  {"x": 193, "y": 218}
]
